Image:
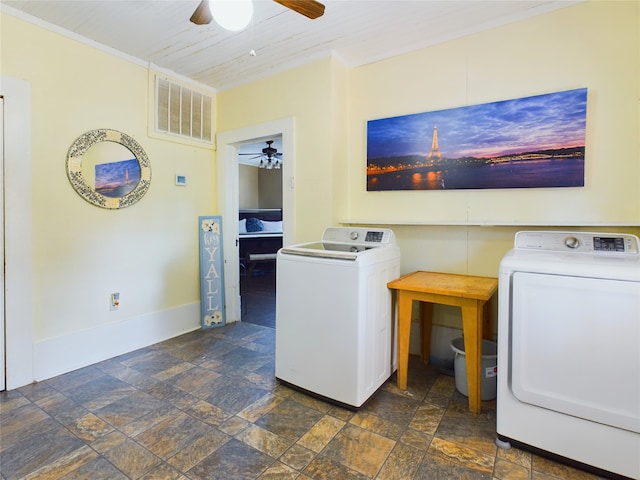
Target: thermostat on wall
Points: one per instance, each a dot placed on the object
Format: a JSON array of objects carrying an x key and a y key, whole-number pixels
[{"x": 181, "y": 180}]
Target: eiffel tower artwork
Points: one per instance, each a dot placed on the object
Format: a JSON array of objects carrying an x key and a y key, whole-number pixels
[
  {"x": 482, "y": 146},
  {"x": 435, "y": 150}
]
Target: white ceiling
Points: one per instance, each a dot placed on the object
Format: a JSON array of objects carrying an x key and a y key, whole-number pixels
[{"x": 357, "y": 32}]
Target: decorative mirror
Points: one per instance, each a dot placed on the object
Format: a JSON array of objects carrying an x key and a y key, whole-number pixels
[{"x": 108, "y": 168}]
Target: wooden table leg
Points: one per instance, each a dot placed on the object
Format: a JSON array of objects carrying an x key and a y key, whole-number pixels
[
  {"x": 426, "y": 321},
  {"x": 472, "y": 328},
  {"x": 405, "y": 304},
  {"x": 487, "y": 329}
]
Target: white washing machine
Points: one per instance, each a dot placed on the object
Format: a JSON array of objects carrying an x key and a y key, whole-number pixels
[
  {"x": 569, "y": 349},
  {"x": 335, "y": 333}
]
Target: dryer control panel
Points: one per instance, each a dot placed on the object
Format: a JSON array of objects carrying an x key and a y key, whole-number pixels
[{"x": 579, "y": 242}]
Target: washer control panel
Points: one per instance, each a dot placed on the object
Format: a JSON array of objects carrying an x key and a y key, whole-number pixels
[
  {"x": 374, "y": 236},
  {"x": 586, "y": 242},
  {"x": 359, "y": 235}
]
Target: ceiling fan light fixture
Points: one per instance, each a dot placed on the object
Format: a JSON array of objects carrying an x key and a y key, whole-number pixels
[
  {"x": 233, "y": 15},
  {"x": 269, "y": 158},
  {"x": 269, "y": 162}
]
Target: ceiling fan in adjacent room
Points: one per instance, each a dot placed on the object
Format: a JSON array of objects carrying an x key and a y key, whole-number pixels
[
  {"x": 309, "y": 8},
  {"x": 269, "y": 158}
]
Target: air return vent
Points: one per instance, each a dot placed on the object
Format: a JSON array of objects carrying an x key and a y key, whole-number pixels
[{"x": 183, "y": 111}]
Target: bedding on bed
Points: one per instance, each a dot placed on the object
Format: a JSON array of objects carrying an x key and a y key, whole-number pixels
[{"x": 255, "y": 225}]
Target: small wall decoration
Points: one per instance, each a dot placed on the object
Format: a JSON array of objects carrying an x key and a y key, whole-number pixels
[
  {"x": 108, "y": 168},
  {"x": 211, "y": 272},
  {"x": 529, "y": 142}
]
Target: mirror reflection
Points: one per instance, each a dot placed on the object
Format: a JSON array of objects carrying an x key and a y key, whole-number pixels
[
  {"x": 111, "y": 168},
  {"x": 108, "y": 168}
]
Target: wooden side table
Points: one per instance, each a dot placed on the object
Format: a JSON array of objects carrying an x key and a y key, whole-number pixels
[{"x": 470, "y": 293}]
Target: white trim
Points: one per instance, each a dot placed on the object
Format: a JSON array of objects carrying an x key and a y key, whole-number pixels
[
  {"x": 65, "y": 353},
  {"x": 18, "y": 232},
  {"x": 2, "y": 290},
  {"x": 176, "y": 77}
]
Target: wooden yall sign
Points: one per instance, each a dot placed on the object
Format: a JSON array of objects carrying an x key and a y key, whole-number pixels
[{"x": 211, "y": 272}]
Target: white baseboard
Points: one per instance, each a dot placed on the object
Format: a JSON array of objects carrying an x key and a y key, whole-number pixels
[{"x": 55, "y": 356}]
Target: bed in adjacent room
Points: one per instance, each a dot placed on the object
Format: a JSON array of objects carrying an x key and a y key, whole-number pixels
[{"x": 260, "y": 233}]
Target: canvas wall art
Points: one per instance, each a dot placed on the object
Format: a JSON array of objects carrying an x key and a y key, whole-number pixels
[{"x": 530, "y": 142}]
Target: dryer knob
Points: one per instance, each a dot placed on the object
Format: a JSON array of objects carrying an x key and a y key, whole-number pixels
[
  {"x": 572, "y": 242},
  {"x": 353, "y": 235}
]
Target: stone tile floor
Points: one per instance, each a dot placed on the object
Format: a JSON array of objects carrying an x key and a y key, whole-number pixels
[
  {"x": 258, "y": 296},
  {"x": 206, "y": 405}
]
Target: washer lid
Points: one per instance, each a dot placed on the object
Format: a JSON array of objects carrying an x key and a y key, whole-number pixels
[
  {"x": 340, "y": 251},
  {"x": 345, "y": 243}
]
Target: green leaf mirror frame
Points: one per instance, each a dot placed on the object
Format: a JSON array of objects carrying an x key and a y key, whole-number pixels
[{"x": 104, "y": 178}]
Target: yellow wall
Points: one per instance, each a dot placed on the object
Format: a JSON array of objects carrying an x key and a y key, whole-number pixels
[
  {"x": 308, "y": 94},
  {"x": 82, "y": 253},
  {"x": 594, "y": 45},
  {"x": 248, "y": 190},
  {"x": 148, "y": 252},
  {"x": 259, "y": 187}
]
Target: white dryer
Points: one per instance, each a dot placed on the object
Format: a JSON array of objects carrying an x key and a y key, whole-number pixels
[
  {"x": 569, "y": 349},
  {"x": 334, "y": 324}
]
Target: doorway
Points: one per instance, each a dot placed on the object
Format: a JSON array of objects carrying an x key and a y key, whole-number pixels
[
  {"x": 260, "y": 203},
  {"x": 229, "y": 144}
]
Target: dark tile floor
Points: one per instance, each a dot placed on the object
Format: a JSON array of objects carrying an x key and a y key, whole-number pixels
[
  {"x": 258, "y": 295},
  {"x": 206, "y": 405}
]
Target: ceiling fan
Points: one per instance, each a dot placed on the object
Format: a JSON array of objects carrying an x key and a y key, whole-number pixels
[
  {"x": 309, "y": 8},
  {"x": 269, "y": 158}
]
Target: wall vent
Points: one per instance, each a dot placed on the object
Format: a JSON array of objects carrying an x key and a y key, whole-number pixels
[{"x": 184, "y": 112}]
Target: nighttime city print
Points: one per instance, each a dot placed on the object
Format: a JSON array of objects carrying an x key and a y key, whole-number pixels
[{"x": 530, "y": 142}]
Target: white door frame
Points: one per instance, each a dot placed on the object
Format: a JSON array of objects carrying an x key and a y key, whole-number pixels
[
  {"x": 18, "y": 232},
  {"x": 228, "y": 198},
  {"x": 2, "y": 289}
]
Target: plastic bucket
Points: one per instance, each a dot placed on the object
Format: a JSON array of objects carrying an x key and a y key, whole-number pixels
[{"x": 488, "y": 370}]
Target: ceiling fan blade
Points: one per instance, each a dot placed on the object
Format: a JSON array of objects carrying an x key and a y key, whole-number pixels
[
  {"x": 202, "y": 14},
  {"x": 309, "y": 8}
]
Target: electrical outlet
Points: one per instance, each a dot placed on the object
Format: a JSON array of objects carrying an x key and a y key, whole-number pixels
[{"x": 115, "y": 301}]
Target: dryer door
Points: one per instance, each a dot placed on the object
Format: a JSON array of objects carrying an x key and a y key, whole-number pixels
[{"x": 575, "y": 347}]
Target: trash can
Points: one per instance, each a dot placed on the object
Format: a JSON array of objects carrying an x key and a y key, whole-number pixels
[{"x": 488, "y": 369}]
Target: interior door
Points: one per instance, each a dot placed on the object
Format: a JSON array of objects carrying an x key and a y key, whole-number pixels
[{"x": 575, "y": 347}]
